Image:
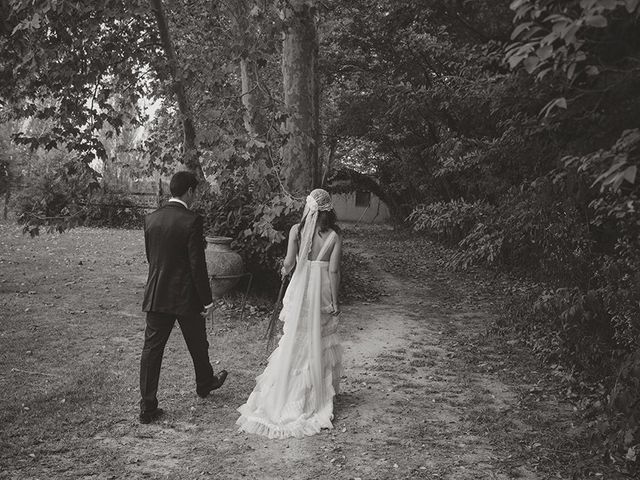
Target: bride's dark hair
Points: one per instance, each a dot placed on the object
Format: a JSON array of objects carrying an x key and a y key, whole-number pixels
[{"x": 326, "y": 221}]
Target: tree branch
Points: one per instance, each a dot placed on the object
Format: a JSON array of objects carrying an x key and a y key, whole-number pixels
[{"x": 190, "y": 152}]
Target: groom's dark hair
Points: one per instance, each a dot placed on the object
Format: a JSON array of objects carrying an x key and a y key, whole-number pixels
[{"x": 181, "y": 182}]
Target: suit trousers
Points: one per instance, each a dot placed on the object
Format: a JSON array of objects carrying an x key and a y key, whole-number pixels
[{"x": 156, "y": 335}]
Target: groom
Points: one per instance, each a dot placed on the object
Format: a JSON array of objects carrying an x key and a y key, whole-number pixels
[{"x": 177, "y": 289}]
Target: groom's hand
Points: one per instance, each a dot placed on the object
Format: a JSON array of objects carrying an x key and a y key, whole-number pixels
[{"x": 208, "y": 312}]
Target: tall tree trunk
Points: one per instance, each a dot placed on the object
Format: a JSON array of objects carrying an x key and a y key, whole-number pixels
[
  {"x": 191, "y": 157},
  {"x": 300, "y": 79},
  {"x": 239, "y": 12}
]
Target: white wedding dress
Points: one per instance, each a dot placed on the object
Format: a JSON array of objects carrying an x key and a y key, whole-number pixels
[{"x": 294, "y": 395}]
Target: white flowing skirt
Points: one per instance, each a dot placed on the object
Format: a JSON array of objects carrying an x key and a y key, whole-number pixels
[{"x": 293, "y": 397}]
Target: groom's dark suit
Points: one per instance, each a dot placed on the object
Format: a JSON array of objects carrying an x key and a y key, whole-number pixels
[
  {"x": 178, "y": 282},
  {"x": 177, "y": 288}
]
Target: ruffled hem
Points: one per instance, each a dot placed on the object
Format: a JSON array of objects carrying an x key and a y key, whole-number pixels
[
  {"x": 255, "y": 420},
  {"x": 251, "y": 423}
]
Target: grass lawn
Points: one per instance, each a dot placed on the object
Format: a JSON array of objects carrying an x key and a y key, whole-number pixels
[{"x": 71, "y": 331}]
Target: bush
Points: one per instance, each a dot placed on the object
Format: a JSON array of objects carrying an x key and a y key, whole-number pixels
[
  {"x": 55, "y": 193},
  {"x": 576, "y": 232},
  {"x": 63, "y": 192},
  {"x": 112, "y": 209},
  {"x": 449, "y": 222},
  {"x": 590, "y": 320},
  {"x": 534, "y": 233},
  {"x": 246, "y": 203},
  {"x": 581, "y": 241}
]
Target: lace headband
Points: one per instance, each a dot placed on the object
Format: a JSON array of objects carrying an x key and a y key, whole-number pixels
[{"x": 319, "y": 199}]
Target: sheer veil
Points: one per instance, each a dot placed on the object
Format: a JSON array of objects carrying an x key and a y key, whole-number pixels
[{"x": 296, "y": 304}]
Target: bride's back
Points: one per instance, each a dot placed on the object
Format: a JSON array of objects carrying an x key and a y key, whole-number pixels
[{"x": 319, "y": 239}]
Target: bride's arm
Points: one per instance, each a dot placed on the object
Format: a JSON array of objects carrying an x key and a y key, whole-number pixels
[
  {"x": 334, "y": 273},
  {"x": 292, "y": 251}
]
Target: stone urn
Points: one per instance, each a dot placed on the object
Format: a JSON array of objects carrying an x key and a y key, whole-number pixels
[{"x": 225, "y": 267}]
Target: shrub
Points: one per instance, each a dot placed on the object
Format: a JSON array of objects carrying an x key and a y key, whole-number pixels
[
  {"x": 62, "y": 192},
  {"x": 590, "y": 320},
  {"x": 449, "y": 222},
  {"x": 576, "y": 231},
  {"x": 55, "y": 193},
  {"x": 112, "y": 209},
  {"x": 533, "y": 232},
  {"x": 246, "y": 203}
]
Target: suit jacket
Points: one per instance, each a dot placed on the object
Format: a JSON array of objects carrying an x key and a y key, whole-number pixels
[{"x": 178, "y": 282}]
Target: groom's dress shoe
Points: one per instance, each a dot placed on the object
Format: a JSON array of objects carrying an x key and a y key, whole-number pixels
[
  {"x": 148, "y": 417},
  {"x": 214, "y": 385}
]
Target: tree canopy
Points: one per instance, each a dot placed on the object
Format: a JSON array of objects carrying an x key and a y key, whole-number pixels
[{"x": 508, "y": 132}]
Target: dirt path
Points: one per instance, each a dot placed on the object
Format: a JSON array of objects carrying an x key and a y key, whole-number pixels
[
  {"x": 411, "y": 406},
  {"x": 427, "y": 392}
]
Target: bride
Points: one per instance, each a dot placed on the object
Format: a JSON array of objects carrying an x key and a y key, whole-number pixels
[{"x": 294, "y": 394}]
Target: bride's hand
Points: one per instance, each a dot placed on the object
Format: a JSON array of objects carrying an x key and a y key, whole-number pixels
[{"x": 283, "y": 269}]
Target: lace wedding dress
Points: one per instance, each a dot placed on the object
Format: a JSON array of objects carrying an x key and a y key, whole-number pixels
[{"x": 294, "y": 394}]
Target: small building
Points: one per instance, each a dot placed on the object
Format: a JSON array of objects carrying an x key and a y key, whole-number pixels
[{"x": 360, "y": 207}]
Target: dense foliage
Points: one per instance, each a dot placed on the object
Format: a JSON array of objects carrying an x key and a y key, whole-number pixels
[
  {"x": 511, "y": 134},
  {"x": 74, "y": 63},
  {"x": 61, "y": 191},
  {"x": 55, "y": 189},
  {"x": 245, "y": 202},
  {"x": 91, "y": 73},
  {"x": 548, "y": 192}
]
